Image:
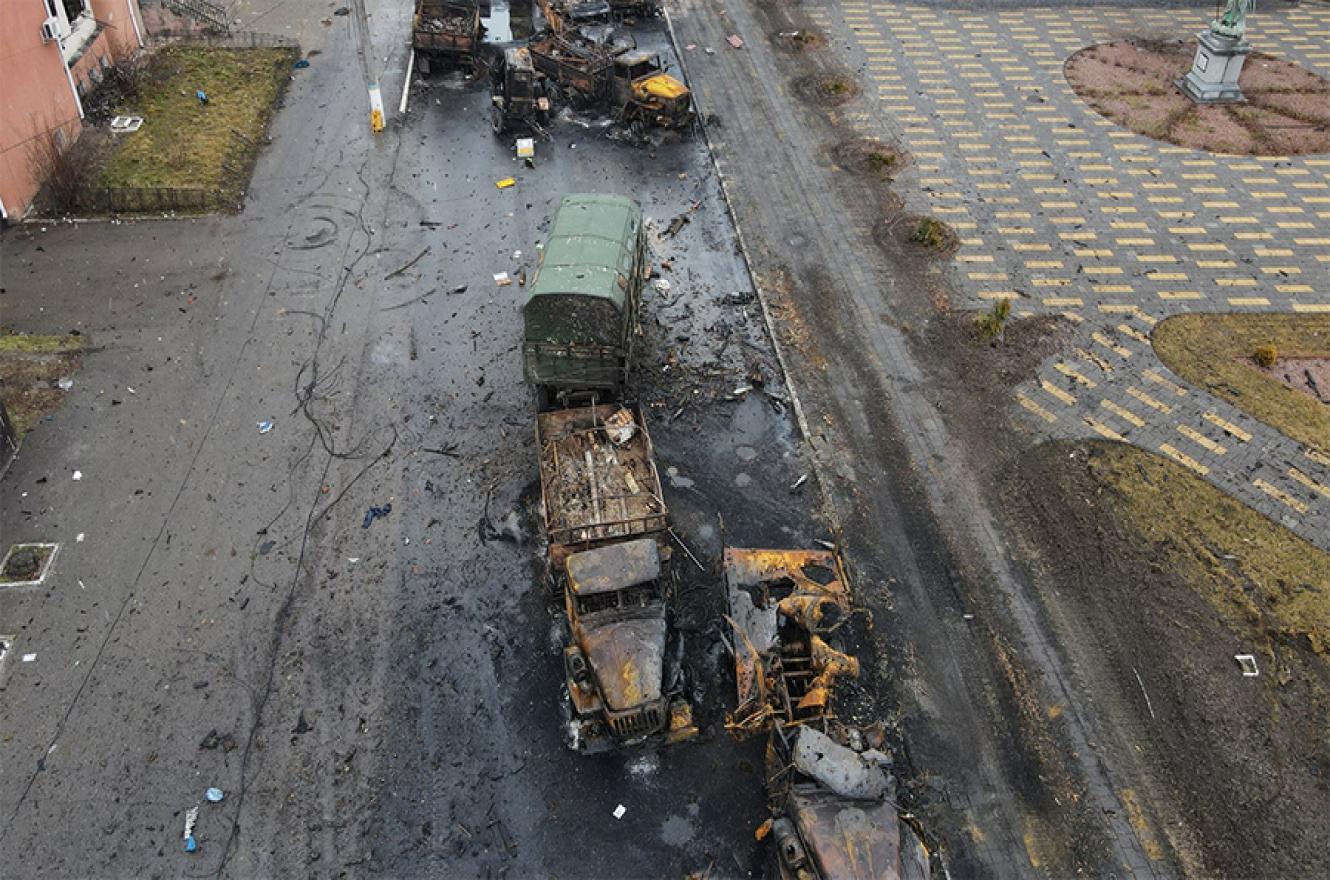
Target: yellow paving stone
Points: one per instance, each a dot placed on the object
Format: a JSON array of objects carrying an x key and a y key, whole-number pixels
[
  {"x": 1036, "y": 408},
  {"x": 1317, "y": 456},
  {"x": 1112, "y": 288},
  {"x": 1236, "y": 282},
  {"x": 1063, "y": 301},
  {"x": 1132, "y": 332},
  {"x": 1294, "y": 288},
  {"x": 1311, "y": 307},
  {"x": 1164, "y": 382},
  {"x": 1307, "y": 481},
  {"x": 1095, "y": 359},
  {"x": 1183, "y": 459},
  {"x": 1119, "y": 350},
  {"x": 1207, "y": 246},
  {"x": 1228, "y": 427},
  {"x": 1149, "y": 401},
  {"x": 1201, "y": 440},
  {"x": 1122, "y": 412},
  {"x": 1075, "y": 375},
  {"x": 1166, "y": 276},
  {"x": 1102, "y": 429},
  {"x": 1057, "y": 392},
  {"x": 1248, "y": 301},
  {"x": 1279, "y": 495}
]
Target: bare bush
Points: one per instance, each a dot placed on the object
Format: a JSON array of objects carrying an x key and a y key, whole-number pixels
[{"x": 62, "y": 169}]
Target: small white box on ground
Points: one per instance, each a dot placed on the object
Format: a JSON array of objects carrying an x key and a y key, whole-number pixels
[{"x": 526, "y": 148}]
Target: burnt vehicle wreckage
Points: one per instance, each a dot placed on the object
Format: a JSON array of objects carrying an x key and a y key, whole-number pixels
[
  {"x": 606, "y": 525},
  {"x": 579, "y": 60},
  {"x": 829, "y": 787},
  {"x": 608, "y": 556}
]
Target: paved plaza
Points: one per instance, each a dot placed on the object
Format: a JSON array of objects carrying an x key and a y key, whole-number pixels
[{"x": 1066, "y": 212}]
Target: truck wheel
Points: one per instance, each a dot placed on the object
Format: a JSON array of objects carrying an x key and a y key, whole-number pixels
[
  {"x": 422, "y": 63},
  {"x": 546, "y": 399},
  {"x": 497, "y": 121}
]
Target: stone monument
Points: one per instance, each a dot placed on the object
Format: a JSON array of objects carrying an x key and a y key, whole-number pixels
[{"x": 1213, "y": 78}]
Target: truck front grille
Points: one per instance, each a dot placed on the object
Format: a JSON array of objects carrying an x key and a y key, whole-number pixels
[{"x": 632, "y": 725}]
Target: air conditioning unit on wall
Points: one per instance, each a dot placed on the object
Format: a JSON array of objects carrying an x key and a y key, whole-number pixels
[{"x": 50, "y": 29}]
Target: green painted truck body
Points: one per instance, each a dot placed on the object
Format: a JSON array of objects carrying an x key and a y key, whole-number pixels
[{"x": 581, "y": 306}]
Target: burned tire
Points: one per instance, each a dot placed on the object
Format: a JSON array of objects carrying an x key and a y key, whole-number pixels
[
  {"x": 498, "y": 121},
  {"x": 422, "y": 63}
]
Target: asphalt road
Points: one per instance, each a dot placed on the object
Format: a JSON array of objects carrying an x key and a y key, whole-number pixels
[{"x": 381, "y": 699}]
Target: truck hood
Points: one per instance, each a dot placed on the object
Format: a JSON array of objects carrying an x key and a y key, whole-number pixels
[
  {"x": 628, "y": 659},
  {"x": 857, "y": 840},
  {"x": 662, "y": 85}
]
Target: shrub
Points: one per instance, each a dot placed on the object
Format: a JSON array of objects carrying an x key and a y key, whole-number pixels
[
  {"x": 1265, "y": 355},
  {"x": 993, "y": 324}
]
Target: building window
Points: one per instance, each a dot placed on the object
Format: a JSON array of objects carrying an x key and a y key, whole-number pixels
[{"x": 74, "y": 8}]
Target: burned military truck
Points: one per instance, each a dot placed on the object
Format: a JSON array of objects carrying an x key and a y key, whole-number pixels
[
  {"x": 580, "y": 313},
  {"x": 829, "y": 786},
  {"x": 615, "y": 662},
  {"x": 605, "y": 522}
]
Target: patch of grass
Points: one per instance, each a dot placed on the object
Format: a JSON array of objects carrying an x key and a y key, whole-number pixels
[
  {"x": 993, "y": 324},
  {"x": 30, "y": 367},
  {"x": 1214, "y": 352},
  {"x": 185, "y": 143},
  {"x": 929, "y": 232},
  {"x": 1261, "y": 577},
  {"x": 881, "y": 160},
  {"x": 15, "y": 343}
]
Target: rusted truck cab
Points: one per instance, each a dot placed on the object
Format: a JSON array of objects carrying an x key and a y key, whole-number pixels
[
  {"x": 614, "y": 597},
  {"x": 646, "y": 95}
]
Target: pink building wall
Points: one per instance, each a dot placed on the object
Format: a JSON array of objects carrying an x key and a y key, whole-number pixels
[{"x": 35, "y": 91}]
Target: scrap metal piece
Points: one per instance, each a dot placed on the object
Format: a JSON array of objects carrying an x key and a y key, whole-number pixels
[
  {"x": 838, "y": 768},
  {"x": 791, "y": 681}
]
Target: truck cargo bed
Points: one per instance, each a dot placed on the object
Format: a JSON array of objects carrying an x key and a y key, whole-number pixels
[{"x": 596, "y": 487}]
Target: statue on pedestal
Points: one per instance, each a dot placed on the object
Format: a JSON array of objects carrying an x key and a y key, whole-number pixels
[{"x": 1233, "y": 23}]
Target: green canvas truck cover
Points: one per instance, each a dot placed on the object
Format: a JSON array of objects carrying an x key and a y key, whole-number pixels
[{"x": 581, "y": 287}]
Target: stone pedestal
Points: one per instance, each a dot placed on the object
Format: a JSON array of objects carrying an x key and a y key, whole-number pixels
[{"x": 1213, "y": 78}]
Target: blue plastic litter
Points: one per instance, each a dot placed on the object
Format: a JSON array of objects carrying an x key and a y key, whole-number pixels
[
  {"x": 214, "y": 795},
  {"x": 374, "y": 513},
  {"x": 191, "y": 845},
  {"x": 202, "y": 96},
  {"x": 302, "y": 64}
]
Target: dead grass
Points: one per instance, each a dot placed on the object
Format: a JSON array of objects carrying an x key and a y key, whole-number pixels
[
  {"x": 185, "y": 143},
  {"x": 1262, "y": 578},
  {"x": 30, "y": 367},
  {"x": 1215, "y": 352}
]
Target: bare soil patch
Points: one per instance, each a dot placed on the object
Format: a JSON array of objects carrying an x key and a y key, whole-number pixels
[
  {"x": 31, "y": 368},
  {"x": 1155, "y": 580},
  {"x": 916, "y": 236},
  {"x": 25, "y": 563},
  {"x": 802, "y": 40},
  {"x": 1220, "y": 352},
  {"x": 827, "y": 89},
  {"x": 1132, "y": 82},
  {"x": 871, "y": 158},
  {"x": 1310, "y": 375}
]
